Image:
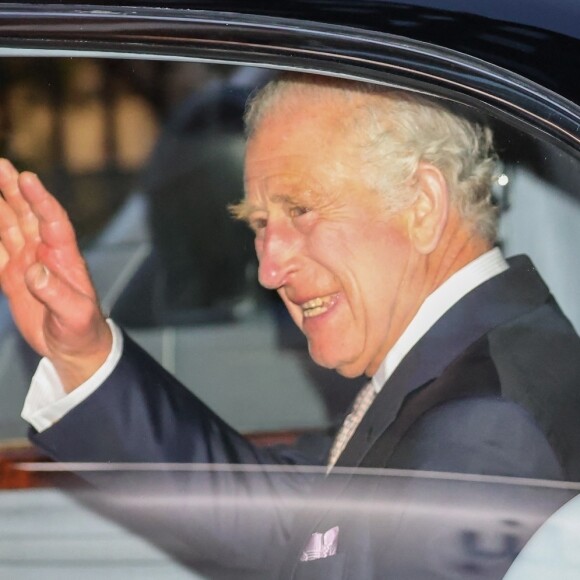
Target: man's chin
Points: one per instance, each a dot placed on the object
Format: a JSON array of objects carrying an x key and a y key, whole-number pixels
[{"x": 349, "y": 370}]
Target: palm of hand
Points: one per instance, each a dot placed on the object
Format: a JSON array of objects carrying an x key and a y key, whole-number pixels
[{"x": 44, "y": 277}]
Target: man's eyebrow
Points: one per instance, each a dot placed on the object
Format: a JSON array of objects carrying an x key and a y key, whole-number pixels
[{"x": 242, "y": 210}]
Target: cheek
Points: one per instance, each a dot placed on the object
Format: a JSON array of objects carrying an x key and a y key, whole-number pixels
[{"x": 381, "y": 277}]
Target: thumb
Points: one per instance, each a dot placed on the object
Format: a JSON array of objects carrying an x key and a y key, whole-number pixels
[
  {"x": 73, "y": 319},
  {"x": 37, "y": 278},
  {"x": 60, "y": 300},
  {"x": 76, "y": 335}
]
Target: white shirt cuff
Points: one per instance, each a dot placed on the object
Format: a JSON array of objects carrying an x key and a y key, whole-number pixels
[{"x": 47, "y": 402}]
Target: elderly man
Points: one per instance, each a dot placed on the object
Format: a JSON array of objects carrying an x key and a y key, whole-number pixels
[{"x": 373, "y": 221}]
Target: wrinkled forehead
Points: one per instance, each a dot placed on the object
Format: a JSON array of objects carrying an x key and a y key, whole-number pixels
[
  {"x": 297, "y": 159},
  {"x": 308, "y": 143},
  {"x": 288, "y": 188}
]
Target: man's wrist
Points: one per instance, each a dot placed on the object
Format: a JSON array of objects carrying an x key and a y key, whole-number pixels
[
  {"x": 47, "y": 401},
  {"x": 74, "y": 370}
]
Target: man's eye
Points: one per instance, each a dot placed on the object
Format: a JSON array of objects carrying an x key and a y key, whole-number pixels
[
  {"x": 258, "y": 224},
  {"x": 298, "y": 210}
]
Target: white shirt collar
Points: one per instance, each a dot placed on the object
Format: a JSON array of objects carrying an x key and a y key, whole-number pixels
[{"x": 436, "y": 305}]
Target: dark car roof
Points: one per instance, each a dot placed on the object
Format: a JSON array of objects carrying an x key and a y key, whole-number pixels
[
  {"x": 539, "y": 39},
  {"x": 560, "y": 16}
]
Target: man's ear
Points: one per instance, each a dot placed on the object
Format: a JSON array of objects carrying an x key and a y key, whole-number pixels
[{"x": 429, "y": 212}]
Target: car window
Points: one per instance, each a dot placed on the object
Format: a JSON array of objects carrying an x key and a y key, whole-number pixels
[
  {"x": 147, "y": 170},
  {"x": 146, "y": 156}
]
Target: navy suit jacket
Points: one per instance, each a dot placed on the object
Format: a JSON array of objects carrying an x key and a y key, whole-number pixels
[{"x": 492, "y": 389}]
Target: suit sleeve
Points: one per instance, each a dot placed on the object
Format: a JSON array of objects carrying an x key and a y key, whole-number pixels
[{"x": 142, "y": 414}]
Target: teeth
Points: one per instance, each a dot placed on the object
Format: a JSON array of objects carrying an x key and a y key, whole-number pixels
[
  {"x": 316, "y": 306},
  {"x": 315, "y": 302},
  {"x": 315, "y": 311}
]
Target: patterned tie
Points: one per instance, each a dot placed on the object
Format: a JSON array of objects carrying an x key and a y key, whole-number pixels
[{"x": 360, "y": 406}]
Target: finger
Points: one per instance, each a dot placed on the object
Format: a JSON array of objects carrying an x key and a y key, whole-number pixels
[
  {"x": 58, "y": 248},
  {"x": 4, "y": 258},
  {"x": 12, "y": 271},
  {"x": 12, "y": 199},
  {"x": 9, "y": 187},
  {"x": 54, "y": 225},
  {"x": 10, "y": 233},
  {"x": 11, "y": 237}
]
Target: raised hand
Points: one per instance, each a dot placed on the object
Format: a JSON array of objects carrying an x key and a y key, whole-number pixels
[{"x": 45, "y": 279}]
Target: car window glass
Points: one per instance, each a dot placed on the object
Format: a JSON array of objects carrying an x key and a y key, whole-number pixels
[{"x": 146, "y": 156}]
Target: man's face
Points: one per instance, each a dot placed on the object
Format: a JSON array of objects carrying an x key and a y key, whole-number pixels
[{"x": 338, "y": 260}]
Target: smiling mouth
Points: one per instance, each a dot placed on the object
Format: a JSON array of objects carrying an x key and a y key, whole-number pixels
[{"x": 317, "y": 306}]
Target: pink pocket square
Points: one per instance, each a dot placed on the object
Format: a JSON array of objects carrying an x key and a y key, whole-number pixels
[{"x": 321, "y": 545}]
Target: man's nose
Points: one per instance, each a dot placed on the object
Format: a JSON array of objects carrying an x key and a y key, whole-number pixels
[{"x": 277, "y": 257}]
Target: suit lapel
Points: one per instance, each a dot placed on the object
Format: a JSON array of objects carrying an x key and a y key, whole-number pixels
[{"x": 495, "y": 302}]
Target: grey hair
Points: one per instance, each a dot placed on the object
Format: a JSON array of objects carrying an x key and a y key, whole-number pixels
[{"x": 398, "y": 130}]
